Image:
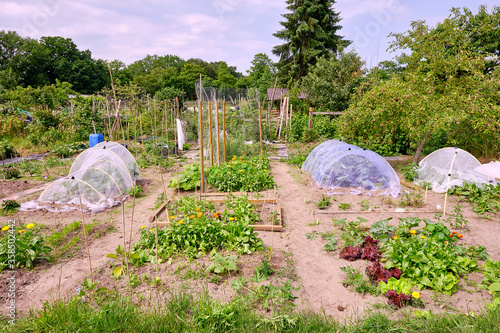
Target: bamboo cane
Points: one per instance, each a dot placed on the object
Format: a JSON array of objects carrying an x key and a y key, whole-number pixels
[
  {"x": 217, "y": 130},
  {"x": 86, "y": 240},
  {"x": 260, "y": 128},
  {"x": 448, "y": 183},
  {"x": 210, "y": 134},
  {"x": 202, "y": 175},
  {"x": 224, "y": 127}
]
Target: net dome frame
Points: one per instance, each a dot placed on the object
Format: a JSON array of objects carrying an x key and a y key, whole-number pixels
[
  {"x": 337, "y": 164},
  {"x": 99, "y": 175},
  {"x": 448, "y": 167}
]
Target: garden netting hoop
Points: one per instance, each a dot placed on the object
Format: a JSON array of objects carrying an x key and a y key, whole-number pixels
[{"x": 336, "y": 164}]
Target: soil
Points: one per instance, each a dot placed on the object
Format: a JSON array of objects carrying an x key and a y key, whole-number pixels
[{"x": 294, "y": 256}]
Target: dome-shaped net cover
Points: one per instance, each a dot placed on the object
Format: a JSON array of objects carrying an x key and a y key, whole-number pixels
[
  {"x": 460, "y": 165},
  {"x": 336, "y": 164},
  {"x": 122, "y": 152},
  {"x": 99, "y": 176}
]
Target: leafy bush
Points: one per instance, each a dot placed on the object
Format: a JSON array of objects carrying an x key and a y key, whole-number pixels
[
  {"x": 410, "y": 172},
  {"x": 242, "y": 174},
  {"x": 29, "y": 247},
  {"x": 70, "y": 149},
  {"x": 10, "y": 206},
  {"x": 136, "y": 191},
  {"x": 189, "y": 179},
  {"x": 10, "y": 172},
  {"x": 7, "y": 150},
  {"x": 30, "y": 167}
]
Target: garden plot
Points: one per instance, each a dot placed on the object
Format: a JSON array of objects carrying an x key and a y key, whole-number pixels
[{"x": 298, "y": 254}]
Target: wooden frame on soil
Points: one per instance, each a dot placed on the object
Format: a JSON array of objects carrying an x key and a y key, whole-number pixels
[{"x": 257, "y": 227}]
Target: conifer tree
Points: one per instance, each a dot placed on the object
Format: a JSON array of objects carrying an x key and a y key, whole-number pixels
[{"x": 310, "y": 31}]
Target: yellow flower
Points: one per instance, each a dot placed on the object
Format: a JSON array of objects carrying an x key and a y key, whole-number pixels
[
  {"x": 191, "y": 216},
  {"x": 5, "y": 228},
  {"x": 395, "y": 237},
  {"x": 180, "y": 222},
  {"x": 422, "y": 236},
  {"x": 231, "y": 219},
  {"x": 415, "y": 294},
  {"x": 446, "y": 242},
  {"x": 143, "y": 227},
  {"x": 197, "y": 209},
  {"x": 29, "y": 226},
  {"x": 21, "y": 231},
  {"x": 172, "y": 217},
  {"x": 413, "y": 232},
  {"x": 241, "y": 170},
  {"x": 199, "y": 214}
]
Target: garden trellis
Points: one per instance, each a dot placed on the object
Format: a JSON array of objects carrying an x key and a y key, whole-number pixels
[{"x": 336, "y": 164}]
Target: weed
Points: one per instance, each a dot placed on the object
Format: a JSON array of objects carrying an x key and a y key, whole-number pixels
[
  {"x": 365, "y": 205},
  {"x": 411, "y": 199},
  {"x": 359, "y": 282},
  {"x": 345, "y": 206},
  {"x": 410, "y": 172},
  {"x": 136, "y": 191},
  {"x": 324, "y": 202},
  {"x": 223, "y": 265}
]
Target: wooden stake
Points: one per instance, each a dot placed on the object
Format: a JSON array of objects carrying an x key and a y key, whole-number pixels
[
  {"x": 224, "y": 127},
  {"x": 448, "y": 183},
  {"x": 260, "y": 128},
  {"x": 202, "y": 174},
  {"x": 131, "y": 223},
  {"x": 156, "y": 242},
  {"x": 217, "y": 130},
  {"x": 86, "y": 239},
  {"x": 165, "y": 195},
  {"x": 210, "y": 134}
]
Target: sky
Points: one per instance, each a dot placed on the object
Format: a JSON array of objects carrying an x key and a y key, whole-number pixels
[{"x": 212, "y": 30}]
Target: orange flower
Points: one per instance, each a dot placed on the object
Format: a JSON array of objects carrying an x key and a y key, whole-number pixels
[
  {"x": 197, "y": 209},
  {"x": 199, "y": 214},
  {"x": 454, "y": 232},
  {"x": 191, "y": 216},
  {"x": 460, "y": 236}
]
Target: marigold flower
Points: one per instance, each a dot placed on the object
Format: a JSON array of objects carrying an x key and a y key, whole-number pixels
[
  {"x": 29, "y": 226},
  {"x": 231, "y": 219},
  {"x": 446, "y": 242},
  {"x": 197, "y": 209},
  {"x": 460, "y": 236},
  {"x": 422, "y": 236},
  {"x": 143, "y": 227},
  {"x": 199, "y": 214},
  {"x": 395, "y": 237},
  {"x": 180, "y": 222},
  {"x": 172, "y": 217},
  {"x": 413, "y": 232},
  {"x": 454, "y": 232},
  {"x": 5, "y": 228},
  {"x": 191, "y": 216},
  {"x": 21, "y": 231},
  {"x": 415, "y": 294}
]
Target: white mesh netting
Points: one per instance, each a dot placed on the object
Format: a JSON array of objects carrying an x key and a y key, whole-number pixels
[
  {"x": 336, "y": 164},
  {"x": 100, "y": 176},
  {"x": 449, "y": 167}
]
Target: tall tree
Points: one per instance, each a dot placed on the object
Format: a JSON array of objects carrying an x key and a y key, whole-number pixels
[{"x": 310, "y": 31}]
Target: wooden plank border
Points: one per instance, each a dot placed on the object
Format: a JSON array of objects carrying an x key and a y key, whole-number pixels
[{"x": 257, "y": 227}]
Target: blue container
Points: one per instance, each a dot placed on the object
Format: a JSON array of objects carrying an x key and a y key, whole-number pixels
[{"x": 95, "y": 139}]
